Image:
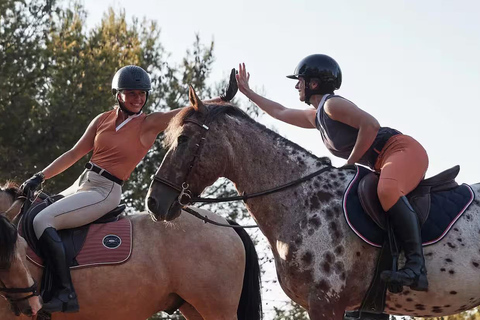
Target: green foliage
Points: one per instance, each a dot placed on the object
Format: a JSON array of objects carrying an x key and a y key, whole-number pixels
[{"x": 293, "y": 312}]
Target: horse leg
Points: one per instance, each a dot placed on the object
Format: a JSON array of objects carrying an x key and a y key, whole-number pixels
[{"x": 189, "y": 312}]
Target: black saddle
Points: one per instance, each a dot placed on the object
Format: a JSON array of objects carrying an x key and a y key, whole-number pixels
[{"x": 420, "y": 198}]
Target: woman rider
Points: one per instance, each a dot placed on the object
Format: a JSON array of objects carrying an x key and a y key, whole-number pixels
[
  {"x": 119, "y": 138},
  {"x": 352, "y": 134}
]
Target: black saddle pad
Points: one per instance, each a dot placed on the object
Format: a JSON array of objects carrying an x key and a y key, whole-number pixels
[{"x": 446, "y": 208}]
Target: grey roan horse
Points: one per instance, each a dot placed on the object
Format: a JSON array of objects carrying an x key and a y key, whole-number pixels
[{"x": 320, "y": 262}]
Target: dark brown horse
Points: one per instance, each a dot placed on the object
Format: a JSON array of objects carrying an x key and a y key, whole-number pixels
[
  {"x": 215, "y": 271},
  {"x": 320, "y": 261}
]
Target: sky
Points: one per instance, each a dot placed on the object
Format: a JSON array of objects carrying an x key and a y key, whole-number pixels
[{"x": 414, "y": 65}]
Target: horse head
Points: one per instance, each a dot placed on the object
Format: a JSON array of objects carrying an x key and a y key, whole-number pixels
[
  {"x": 16, "y": 283},
  {"x": 189, "y": 171}
]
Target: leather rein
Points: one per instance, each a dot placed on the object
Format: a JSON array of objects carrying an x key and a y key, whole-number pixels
[{"x": 185, "y": 197}]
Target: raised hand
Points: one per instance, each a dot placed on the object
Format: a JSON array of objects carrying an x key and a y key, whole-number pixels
[{"x": 242, "y": 79}]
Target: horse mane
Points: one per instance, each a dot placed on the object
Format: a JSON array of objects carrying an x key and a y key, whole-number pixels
[
  {"x": 222, "y": 110},
  {"x": 8, "y": 240},
  {"x": 11, "y": 188}
]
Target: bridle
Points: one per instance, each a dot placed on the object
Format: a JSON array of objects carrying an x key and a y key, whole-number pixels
[
  {"x": 32, "y": 289},
  {"x": 186, "y": 198}
]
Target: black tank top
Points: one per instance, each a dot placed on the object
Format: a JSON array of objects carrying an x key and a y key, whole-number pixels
[{"x": 340, "y": 138}]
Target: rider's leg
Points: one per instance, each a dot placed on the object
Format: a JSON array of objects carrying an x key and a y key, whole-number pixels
[
  {"x": 95, "y": 196},
  {"x": 402, "y": 166}
]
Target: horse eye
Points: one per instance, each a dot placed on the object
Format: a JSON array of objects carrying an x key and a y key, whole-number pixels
[{"x": 182, "y": 139}]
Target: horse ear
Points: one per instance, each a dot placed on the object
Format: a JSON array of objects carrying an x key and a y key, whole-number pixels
[{"x": 195, "y": 101}]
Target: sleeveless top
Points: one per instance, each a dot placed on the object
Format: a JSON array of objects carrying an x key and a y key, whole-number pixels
[
  {"x": 118, "y": 150},
  {"x": 339, "y": 138}
]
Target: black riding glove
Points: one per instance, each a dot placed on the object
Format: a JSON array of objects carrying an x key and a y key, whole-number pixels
[
  {"x": 32, "y": 183},
  {"x": 232, "y": 87}
]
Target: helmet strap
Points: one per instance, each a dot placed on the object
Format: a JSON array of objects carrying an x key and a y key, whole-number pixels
[{"x": 310, "y": 92}]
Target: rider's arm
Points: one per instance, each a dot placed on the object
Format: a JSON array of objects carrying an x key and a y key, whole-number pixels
[
  {"x": 83, "y": 146},
  {"x": 346, "y": 112},
  {"x": 299, "y": 118}
]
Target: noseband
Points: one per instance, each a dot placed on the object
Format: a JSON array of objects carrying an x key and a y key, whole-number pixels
[{"x": 8, "y": 291}]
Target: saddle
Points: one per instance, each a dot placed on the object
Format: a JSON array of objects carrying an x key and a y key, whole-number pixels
[
  {"x": 419, "y": 198},
  {"x": 73, "y": 239}
]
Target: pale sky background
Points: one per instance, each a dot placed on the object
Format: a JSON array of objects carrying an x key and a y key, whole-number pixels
[{"x": 414, "y": 65}]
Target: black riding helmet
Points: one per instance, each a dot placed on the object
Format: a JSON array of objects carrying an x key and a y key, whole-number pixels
[
  {"x": 321, "y": 67},
  {"x": 131, "y": 78}
]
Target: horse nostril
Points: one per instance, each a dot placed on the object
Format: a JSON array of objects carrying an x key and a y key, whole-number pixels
[{"x": 151, "y": 204}]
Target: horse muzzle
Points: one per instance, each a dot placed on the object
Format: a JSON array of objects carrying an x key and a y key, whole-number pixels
[{"x": 162, "y": 203}]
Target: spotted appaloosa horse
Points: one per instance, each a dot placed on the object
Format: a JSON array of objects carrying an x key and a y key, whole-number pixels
[
  {"x": 321, "y": 264},
  {"x": 202, "y": 264}
]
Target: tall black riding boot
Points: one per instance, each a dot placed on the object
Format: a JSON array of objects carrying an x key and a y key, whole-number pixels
[
  {"x": 65, "y": 299},
  {"x": 407, "y": 229}
]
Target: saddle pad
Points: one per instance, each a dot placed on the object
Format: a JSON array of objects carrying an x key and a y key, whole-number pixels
[
  {"x": 106, "y": 243},
  {"x": 446, "y": 208}
]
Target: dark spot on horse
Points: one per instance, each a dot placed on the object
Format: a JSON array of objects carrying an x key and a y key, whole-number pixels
[
  {"x": 329, "y": 214},
  {"x": 328, "y": 186},
  {"x": 453, "y": 292},
  {"x": 338, "y": 267},
  {"x": 332, "y": 176},
  {"x": 342, "y": 178},
  {"x": 311, "y": 231},
  {"x": 323, "y": 285},
  {"x": 341, "y": 174},
  {"x": 469, "y": 217},
  {"x": 294, "y": 151},
  {"x": 456, "y": 229},
  {"x": 307, "y": 258},
  {"x": 295, "y": 193},
  {"x": 339, "y": 193},
  {"x": 406, "y": 292},
  {"x": 329, "y": 257},
  {"x": 443, "y": 269},
  {"x": 316, "y": 184},
  {"x": 428, "y": 254},
  {"x": 326, "y": 267},
  {"x": 299, "y": 240},
  {"x": 409, "y": 299},
  {"x": 399, "y": 306},
  {"x": 475, "y": 264},
  {"x": 448, "y": 260},
  {"x": 334, "y": 231},
  {"x": 451, "y": 245},
  {"x": 315, "y": 204},
  {"x": 336, "y": 184},
  {"x": 343, "y": 276},
  {"x": 337, "y": 211},
  {"x": 315, "y": 221},
  {"x": 357, "y": 253},
  {"x": 303, "y": 223},
  {"x": 447, "y": 306},
  {"x": 339, "y": 250},
  {"x": 419, "y": 306},
  {"x": 437, "y": 309},
  {"x": 451, "y": 271},
  {"x": 324, "y": 196},
  {"x": 459, "y": 240}
]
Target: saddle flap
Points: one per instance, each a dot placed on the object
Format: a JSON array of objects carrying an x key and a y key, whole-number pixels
[{"x": 367, "y": 193}]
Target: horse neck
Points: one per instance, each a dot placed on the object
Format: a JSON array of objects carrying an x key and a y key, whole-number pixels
[{"x": 262, "y": 160}]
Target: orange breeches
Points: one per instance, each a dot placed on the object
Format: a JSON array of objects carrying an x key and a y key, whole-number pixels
[{"x": 402, "y": 164}]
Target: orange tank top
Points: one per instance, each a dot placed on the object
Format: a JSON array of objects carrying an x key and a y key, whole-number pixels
[{"x": 119, "y": 151}]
